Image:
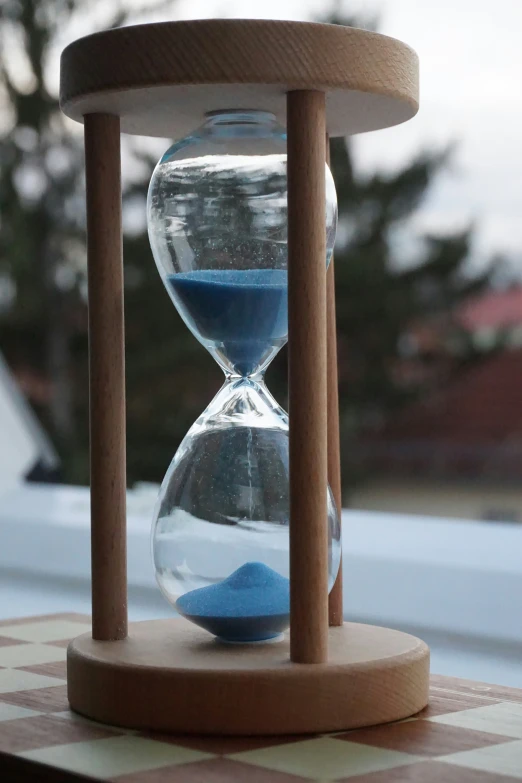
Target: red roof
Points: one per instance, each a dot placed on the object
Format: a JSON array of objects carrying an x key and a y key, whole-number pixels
[{"x": 496, "y": 309}]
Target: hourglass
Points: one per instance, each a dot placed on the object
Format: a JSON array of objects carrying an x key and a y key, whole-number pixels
[
  {"x": 246, "y": 533},
  {"x": 217, "y": 215}
]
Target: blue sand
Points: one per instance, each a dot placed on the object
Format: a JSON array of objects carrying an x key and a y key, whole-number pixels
[
  {"x": 244, "y": 312},
  {"x": 251, "y": 605}
]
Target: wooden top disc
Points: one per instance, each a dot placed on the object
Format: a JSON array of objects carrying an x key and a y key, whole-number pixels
[{"x": 162, "y": 78}]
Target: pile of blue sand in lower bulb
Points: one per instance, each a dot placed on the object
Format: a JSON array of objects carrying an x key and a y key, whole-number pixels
[
  {"x": 251, "y": 605},
  {"x": 242, "y": 312}
]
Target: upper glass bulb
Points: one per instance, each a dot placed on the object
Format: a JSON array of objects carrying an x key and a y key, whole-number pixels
[{"x": 217, "y": 219}]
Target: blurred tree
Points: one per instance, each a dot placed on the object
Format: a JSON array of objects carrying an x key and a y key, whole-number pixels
[
  {"x": 42, "y": 224},
  {"x": 40, "y": 250},
  {"x": 379, "y": 300}
]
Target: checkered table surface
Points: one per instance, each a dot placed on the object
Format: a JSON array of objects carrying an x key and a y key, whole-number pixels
[{"x": 470, "y": 733}]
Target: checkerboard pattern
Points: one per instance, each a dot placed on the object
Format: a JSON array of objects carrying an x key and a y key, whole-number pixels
[{"x": 470, "y": 733}]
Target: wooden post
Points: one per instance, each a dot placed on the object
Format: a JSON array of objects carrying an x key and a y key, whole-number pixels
[
  {"x": 307, "y": 376},
  {"x": 106, "y": 377},
  {"x": 335, "y": 599}
]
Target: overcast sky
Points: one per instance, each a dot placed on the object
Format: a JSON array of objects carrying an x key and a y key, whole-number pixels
[{"x": 471, "y": 93}]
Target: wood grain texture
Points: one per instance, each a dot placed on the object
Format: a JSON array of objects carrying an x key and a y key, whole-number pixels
[
  {"x": 21, "y": 734},
  {"x": 424, "y": 738},
  {"x": 106, "y": 377},
  {"x": 53, "y": 699},
  {"x": 169, "y": 675},
  {"x": 161, "y": 78},
  {"x": 335, "y": 599},
  {"x": 307, "y": 393}
]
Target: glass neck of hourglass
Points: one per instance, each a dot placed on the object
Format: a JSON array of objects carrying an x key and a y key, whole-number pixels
[{"x": 244, "y": 402}]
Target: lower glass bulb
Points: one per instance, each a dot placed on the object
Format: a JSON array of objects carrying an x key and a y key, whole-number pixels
[{"x": 221, "y": 531}]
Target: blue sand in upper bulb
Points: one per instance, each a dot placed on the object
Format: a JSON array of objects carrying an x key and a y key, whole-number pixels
[
  {"x": 243, "y": 312},
  {"x": 252, "y": 604}
]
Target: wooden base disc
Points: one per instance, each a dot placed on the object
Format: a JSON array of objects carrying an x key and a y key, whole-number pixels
[{"x": 169, "y": 675}]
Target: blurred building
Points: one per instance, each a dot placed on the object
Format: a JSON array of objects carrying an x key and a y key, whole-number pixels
[{"x": 457, "y": 451}]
